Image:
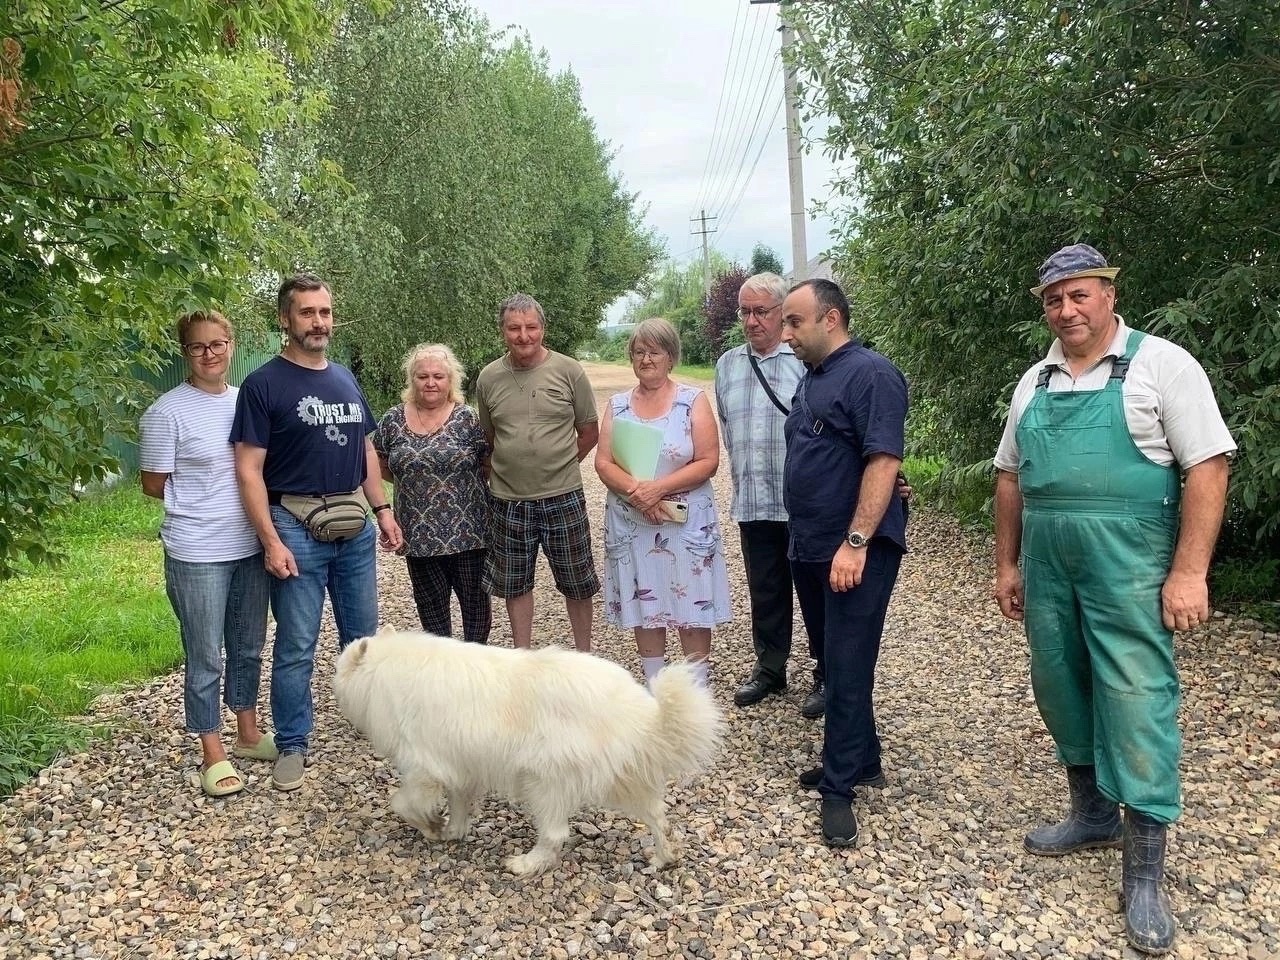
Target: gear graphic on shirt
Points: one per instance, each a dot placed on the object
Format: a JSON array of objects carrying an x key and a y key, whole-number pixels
[
  {"x": 306, "y": 411},
  {"x": 331, "y": 432}
]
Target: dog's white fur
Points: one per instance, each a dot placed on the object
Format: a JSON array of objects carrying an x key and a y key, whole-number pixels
[{"x": 553, "y": 729}]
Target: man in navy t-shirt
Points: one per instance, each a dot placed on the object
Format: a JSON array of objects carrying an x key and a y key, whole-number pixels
[
  {"x": 845, "y": 435},
  {"x": 302, "y": 427}
]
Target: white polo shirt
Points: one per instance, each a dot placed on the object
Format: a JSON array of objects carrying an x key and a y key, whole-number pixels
[{"x": 1168, "y": 402}]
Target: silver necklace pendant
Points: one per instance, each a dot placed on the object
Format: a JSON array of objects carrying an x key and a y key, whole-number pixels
[{"x": 518, "y": 382}]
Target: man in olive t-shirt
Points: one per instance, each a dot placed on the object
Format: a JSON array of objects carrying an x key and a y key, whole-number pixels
[{"x": 538, "y": 411}]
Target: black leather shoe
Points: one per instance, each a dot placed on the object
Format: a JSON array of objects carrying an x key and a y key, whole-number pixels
[
  {"x": 839, "y": 825},
  {"x": 756, "y": 689},
  {"x": 867, "y": 778},
  {"x": 815, "y": 704}
]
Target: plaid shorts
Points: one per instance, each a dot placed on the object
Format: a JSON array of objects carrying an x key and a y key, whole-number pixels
[{"x": 560, "y": 525}]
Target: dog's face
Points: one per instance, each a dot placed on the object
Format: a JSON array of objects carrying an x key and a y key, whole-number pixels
[{"x": 350, "y": 661}]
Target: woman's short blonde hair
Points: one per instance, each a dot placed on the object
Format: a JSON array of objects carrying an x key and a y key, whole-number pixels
[
  {"x": 441, "y": 355},
  {"x": 658, "y": 332},
  {"x": 188, "y": 320}
]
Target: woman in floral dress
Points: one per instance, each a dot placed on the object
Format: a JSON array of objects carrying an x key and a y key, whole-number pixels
[{"x": 662, "y": 573}]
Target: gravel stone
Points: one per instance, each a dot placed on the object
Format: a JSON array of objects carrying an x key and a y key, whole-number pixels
[{"x": 114, "y": 853}]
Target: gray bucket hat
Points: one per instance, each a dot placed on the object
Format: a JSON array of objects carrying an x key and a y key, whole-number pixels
[{"x": 1077, "y": 260}]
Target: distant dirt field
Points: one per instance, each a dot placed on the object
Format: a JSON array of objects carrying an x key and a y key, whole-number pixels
[{"x": 610, "y": 378}]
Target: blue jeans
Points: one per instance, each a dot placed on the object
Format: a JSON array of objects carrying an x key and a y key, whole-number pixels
[
  {"x": 219, "y": 605},
  {"x": 850, "y": 625},
  {"x": 348, "y": 572}
]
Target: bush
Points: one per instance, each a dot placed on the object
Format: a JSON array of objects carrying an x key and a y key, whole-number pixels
[
  {"x": 28, "y": 744},
  {"x": 981, "y": 137},
  {"x": 720, "y": 312},
  {"x": 608, "y": 346}
]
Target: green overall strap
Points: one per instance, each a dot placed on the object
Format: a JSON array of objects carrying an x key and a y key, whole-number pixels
[{"x": 1076, "y": 452}]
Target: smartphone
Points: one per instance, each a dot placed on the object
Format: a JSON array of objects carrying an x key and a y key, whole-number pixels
[{"x": 676, "y": 510}]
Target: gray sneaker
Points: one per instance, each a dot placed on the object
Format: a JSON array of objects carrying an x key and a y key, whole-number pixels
[{"x": 289, "y": 771}]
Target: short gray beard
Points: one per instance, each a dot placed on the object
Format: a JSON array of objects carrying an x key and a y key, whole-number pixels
[{"x": 301, "y": 342}]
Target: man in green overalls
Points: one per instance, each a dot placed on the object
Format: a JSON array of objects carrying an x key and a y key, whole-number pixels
[{"x": 1110, "y": 489}]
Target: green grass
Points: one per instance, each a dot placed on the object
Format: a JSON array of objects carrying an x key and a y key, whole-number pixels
[
  {"x": 695, "y": 373},
  {"x": 966, "y": 493},
  {"x": 684, "y": 370},
  {"x": 98, "y": 619}
]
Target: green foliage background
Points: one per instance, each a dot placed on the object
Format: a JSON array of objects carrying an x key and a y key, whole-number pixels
[
  {"x": 708, "y": 325},
  {"x": 161, "y": 156},
  {"x": 983, "y": 135},
  {"x": 128, "y": 147},
  {"x": 675, "y": 291},
  {"x": 471, "y": 172},
  {"x": 764, "y": 260}
]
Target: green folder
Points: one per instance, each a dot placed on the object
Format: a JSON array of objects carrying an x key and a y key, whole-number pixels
[{"x": 636, "y": 447}]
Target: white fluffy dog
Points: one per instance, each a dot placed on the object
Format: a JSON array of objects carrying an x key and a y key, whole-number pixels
[{"x": 553, "y": 729}]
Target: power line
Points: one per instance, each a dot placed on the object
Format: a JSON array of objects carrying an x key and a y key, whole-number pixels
[
  {"x": 739, "y": 91},
  {"x": 677, "y": 258},
  {"x": 724, "y": 86},
  {"x": 745, "y": 69},
  {"x": 733, "y": 184},
  {"x": 728, "y": 217},
  {"x": 743, "y": 144},
  {"x": 733, "y": 64},
  {"x": 745, "y": 83},
  {"x": 761, "y": 105}
]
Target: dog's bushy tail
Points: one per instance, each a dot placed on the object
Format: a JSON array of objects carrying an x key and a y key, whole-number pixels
[{"x": 689, "y": 722}]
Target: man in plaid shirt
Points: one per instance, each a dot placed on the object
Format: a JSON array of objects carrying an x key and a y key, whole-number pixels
[{"x": 751, "y": 424}]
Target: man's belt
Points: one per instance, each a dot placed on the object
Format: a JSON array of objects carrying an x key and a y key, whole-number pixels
[{"x": 273, "y": 496}]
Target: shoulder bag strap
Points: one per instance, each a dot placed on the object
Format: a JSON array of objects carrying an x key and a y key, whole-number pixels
[{"x": 755, "y": 366}]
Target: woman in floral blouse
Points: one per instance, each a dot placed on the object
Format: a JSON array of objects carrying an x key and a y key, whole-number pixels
[{"x": 431, "y": 446}]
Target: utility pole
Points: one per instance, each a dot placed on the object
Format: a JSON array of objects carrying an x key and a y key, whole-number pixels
[
  {"x": 795, "y": 162},
  {"x": 706, "y": 253}
]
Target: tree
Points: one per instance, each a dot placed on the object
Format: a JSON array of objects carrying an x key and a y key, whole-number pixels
[
  {"x": 473, "y": 172},
  {"x": 129, "y": 137},
  {"x": 986, "y": 135},
  {"x": 764, "y": 260},
  {"x": 720, "y": 312},
  {"x": 675, "y": 293}
]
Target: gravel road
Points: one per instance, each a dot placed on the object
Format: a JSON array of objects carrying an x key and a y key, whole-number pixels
[{"x": 115, "y": 853}]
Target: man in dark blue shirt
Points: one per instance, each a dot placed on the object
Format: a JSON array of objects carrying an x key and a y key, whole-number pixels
[
  {"x": 845, "y": 437},
  {"x": 302, "y": 428}
]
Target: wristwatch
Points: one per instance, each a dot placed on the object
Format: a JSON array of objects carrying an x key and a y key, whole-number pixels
[{"x": 856, "y": 540}]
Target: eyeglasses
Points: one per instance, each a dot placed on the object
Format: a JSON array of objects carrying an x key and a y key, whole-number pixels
[
  {"x": 215, "y": 347},
  {"x": 745, "y": 313},
  {"x": 647, "y": 354}
]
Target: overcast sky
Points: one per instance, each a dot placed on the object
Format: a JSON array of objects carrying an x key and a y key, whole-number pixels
[{"x": 652, "y": 73}]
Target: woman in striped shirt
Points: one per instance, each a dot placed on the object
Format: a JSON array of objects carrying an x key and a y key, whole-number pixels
[{"x": 214, "y": 573}]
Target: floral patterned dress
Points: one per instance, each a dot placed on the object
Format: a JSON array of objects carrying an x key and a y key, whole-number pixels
[
  {"x": 441, "y": 501},
  {"x": 671, "y": 574}
]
